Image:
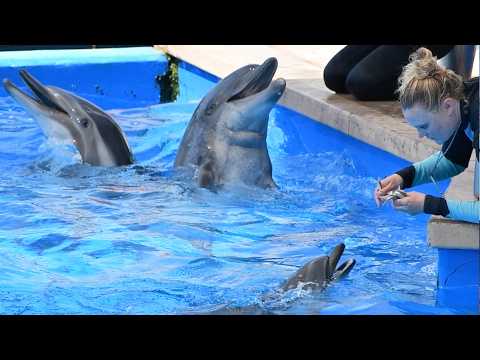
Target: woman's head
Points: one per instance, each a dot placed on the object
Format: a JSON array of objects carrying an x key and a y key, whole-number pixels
[{"x": 429, "y": 96}]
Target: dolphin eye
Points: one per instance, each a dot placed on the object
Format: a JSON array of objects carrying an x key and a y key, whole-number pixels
[{"x": 84, "y": 123}]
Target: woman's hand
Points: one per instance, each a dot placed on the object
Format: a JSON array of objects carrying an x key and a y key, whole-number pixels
[
  {"x": 390, "y": 183},
  {"x": 412, "y": 203}
]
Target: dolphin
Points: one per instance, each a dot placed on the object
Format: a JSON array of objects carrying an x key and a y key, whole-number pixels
[
  {"x": 225, "y": 139},
  {"x": 316, "y": 275},
  {"x": 69, "y": 118},
  {"x": 319, "y": 272}
]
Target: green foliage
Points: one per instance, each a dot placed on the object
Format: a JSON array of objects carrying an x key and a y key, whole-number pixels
[{"x": 168, "y": 82}]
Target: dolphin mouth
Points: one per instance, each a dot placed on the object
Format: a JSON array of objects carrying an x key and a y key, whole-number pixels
[
  {"x": 260, "y": 78},
  {"x": 43, "y": 106},
  {"x": 277, "y": 88},
  {"x": 335, "y": 272},
  {"x": 269, "y": 96},
  {"x": 18, "y": 94},
  {"x": 43, "y": 95},
  {"x": 255, "y": 108}
]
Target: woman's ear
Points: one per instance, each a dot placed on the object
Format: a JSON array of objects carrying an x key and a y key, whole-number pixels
[{"x": 449, "y": 105}]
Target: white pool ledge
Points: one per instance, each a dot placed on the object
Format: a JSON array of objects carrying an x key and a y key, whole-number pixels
[{"x": 80, "y": 56}]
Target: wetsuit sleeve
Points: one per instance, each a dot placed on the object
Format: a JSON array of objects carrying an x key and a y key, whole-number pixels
[
  {"x": 419, "y": 173},
  {"x": 445, "y": 169},
  {"x": 468, "y": 211},
  {"x": 407, "y": 174},
  {"x": 435, "y": 206},
  {"x": 464, "y": 210}
]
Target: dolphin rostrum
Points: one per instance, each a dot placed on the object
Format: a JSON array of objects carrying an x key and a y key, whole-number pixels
[
  {"x": 226, "y": 136},
  {"x": 67, "y": 117}
]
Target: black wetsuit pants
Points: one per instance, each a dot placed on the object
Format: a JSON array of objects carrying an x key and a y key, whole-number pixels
[{"x": 370, "y": 72}]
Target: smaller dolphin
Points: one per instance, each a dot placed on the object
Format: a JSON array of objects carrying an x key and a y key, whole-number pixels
[
  {"x": 314, "y": 275},
  {"x": 67, "y": 117},
  {"x": 319, "y": 272}
]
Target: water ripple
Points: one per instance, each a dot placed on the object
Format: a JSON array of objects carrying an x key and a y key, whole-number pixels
[{"x": 144, "y": 239}]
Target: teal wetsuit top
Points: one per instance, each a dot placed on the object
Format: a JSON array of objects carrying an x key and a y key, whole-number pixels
[{"x": 450, "y": 161}]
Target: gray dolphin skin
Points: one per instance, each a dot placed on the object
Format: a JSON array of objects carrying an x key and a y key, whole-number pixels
[
  {"x": 69, "y": 118},
  {"x": 319, "y": 272},
  {"x": 316, "y": 275},
  {"x": 226, "y": 136}
]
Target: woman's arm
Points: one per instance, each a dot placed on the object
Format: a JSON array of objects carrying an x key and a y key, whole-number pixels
[
  {"x": 464, "y": 210},
  {"x": 420, "y": 172},
  {"x": 445, "y": 169},
  {"x": 415, "y": 203}
]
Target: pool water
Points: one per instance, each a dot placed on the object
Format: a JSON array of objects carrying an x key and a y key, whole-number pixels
[{"x": 145, "y": 239}]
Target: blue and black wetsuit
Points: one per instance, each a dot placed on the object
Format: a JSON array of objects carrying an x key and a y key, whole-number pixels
[{"x": 450, "y": 161}]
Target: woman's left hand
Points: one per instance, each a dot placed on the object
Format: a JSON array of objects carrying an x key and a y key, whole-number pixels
[{"x": 412, "y": 203}]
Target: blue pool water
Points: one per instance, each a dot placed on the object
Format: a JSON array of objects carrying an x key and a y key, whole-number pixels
[{"x": 142, "y": 239}]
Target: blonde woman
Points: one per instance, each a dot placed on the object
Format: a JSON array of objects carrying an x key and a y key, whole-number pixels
[{"x": 444, "y": 108}]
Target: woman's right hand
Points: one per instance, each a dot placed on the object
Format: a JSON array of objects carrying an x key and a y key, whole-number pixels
[{"x": 390, "y": 183}]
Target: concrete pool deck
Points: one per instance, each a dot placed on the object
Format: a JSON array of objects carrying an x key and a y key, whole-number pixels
[{"x": 378, "y": 123}]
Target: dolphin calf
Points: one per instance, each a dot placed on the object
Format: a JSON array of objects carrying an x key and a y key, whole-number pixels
[
  {"x": 69, "y": 118},
  {"x": 226, "y": 136},
  {"x": 316, "y": 275}
]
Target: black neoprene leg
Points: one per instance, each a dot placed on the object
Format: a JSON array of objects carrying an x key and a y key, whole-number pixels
[
  {"x": 339, "y": 66},
  {"x": 375, "y": 77}
]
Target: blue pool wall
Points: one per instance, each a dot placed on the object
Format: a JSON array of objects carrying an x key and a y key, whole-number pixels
[
  {"x": 124, "y": 74},
  {"x": 125, "y": 77},
  {"x": 458, "y": 279}
]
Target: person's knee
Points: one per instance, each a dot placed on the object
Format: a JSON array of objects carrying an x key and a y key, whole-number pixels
[
  {"x": 369, "y": 86},
  {"x": 334, "y": 76},
  {"x": 359, "y": 85}
]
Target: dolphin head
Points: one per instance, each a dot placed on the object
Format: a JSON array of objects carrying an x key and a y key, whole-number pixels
[
  {"x": 226, "y": 136},
  {"x": 317, "y": 273},
  {"x": 69, "y": 118},
  {"x": 252, "y": 96}
]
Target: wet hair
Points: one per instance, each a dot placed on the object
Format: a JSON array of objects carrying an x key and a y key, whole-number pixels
[{"x": 424, "y": 82}]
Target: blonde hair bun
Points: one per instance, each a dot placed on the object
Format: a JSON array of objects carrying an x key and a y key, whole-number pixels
[
  {"x": 423, "y": 65},
  {"x": 424, "y": 81}
]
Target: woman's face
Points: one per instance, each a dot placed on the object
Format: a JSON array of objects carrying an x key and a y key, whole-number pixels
[{"x": 439, "y": 125}]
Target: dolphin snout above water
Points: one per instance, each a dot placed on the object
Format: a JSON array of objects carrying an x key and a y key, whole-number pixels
[
  {"x": 316, "y": 275},
  {"x": 226, "y": 136},
  {"x": 69, "y": 118},
  {"x": 319, "y": 272}
]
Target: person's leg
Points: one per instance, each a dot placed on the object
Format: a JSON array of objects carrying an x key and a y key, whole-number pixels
[
  {"x": 438, "y": 50},
  {"x": 376, "y": 76},
  {"x": 337, "y": 69}
]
